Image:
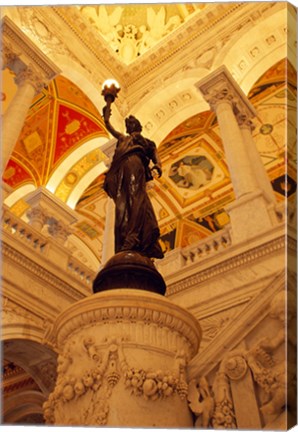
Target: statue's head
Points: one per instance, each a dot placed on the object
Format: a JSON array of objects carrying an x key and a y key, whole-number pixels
[{"x": 132, "y": 125}]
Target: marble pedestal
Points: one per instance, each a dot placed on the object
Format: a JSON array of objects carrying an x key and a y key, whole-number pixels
[{"x": 122, "y": 362}]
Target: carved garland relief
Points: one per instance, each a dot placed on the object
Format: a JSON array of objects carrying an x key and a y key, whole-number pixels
[{"x": 85, "y": 391}]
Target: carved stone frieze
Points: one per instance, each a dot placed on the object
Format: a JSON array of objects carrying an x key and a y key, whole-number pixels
[
  {"x": 257, "y": 371},
  {"x": 271, "y": 372},
  {"x": 212, "y": 405},
  {"x": 60, "y": 231},
  {"x": 223, "y": 416},
  {"x": 235, "y": 367}
]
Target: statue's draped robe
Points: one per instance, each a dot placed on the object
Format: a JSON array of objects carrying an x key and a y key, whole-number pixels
[{"x": 136, "y": 226}]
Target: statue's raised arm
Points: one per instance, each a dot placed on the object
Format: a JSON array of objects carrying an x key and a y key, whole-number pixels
[{"x": 106, "y": 113}]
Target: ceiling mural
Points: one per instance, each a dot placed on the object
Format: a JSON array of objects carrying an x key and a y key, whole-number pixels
[
  {"x": 60, "y": 119},
  {"x": 189, "y": 199}
]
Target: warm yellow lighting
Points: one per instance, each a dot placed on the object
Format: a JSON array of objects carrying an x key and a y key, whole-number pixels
[
  {"x": 110, "y": 89},
  {"x": 110, "y": 83}
]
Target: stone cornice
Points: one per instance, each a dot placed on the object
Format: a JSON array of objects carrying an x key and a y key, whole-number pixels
[
  {"x": 41, "y": 273},
  {"x": 27, "y": 50},
  {"x": 229, "y": 264}
]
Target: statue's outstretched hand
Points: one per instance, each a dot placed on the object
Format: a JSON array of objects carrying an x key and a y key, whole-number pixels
[
  {"x": 106, "y": 112},
  {"x": 158, "y": 169}
]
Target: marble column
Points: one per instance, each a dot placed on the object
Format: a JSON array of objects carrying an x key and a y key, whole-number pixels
[
  {"x": 247, "y": 127},
  {"x": 13, "y": 120},
  {"x": 122, "y": 362},
  {"x": 249, "y": 213},
  {"x": 222, "y": 97},
  {"x": 33, "y": 69}
]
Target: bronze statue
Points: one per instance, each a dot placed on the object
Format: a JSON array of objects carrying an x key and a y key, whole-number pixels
[{"x": 136, "y": 227}]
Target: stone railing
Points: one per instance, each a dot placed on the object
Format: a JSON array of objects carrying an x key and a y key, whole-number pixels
[
  {"x": 215, "y": 243},
  {"x": 24, "y": 232},
  {"x": 181, "y": 257},
  {"x": 46, "y": 246},
  {"x": 80, "y": 271}
]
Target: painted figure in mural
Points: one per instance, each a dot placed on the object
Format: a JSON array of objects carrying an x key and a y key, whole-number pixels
[{"x": 136, "y": 226}]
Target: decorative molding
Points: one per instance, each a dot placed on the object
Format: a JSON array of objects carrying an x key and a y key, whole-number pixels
[
  {"x": 96, "y": 383},
  {"x": 31, "y": 75},
  {"x": 169, "y": 324},
  {"x": 23, "y": 45},
  {"x": 41, "y": 273},
  {"x": 229, "y": 264}
]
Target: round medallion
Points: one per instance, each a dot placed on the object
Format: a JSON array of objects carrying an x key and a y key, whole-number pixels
[{"x": 235, "y": 367}]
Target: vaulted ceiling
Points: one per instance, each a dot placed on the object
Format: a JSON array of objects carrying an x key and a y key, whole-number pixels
[{"x": 61, "y": 146}]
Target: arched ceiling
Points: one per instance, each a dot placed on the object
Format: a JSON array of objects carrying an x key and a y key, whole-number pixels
[
  {"x": 60, "y": 120},
  {"x": 189, "y": 211},
  {"x": 60, "y": 146}
]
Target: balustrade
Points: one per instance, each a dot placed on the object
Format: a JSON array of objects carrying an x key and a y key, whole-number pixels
[
  {"x": 177, "y": 259},
  {"x": 206, "y": 247},
  {"x": 29, "y": 236},
  {"x": 80, "y": 271},
  {"x": 23, "y": 231}
]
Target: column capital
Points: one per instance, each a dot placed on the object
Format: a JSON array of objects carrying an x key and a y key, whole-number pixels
[
  {"x": 219, "y": 87},
  {"x": 9, "y": 57},
  {"x": 244, "y": 122},
  {"x": 31, "y": 76},
  {"x": 37, "y": 213},
  {"x": 58, "y": 230}
]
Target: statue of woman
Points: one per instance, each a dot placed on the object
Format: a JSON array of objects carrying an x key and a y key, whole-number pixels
[{"x": 136, "y": 226}]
